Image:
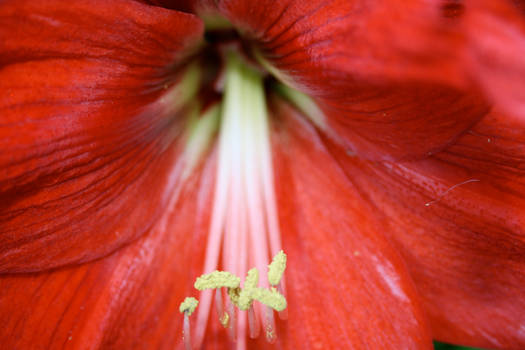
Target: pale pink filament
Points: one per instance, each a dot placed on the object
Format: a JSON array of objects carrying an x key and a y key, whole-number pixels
[
  {"x": 233, "y": 313},
  {"x": 219, "y": 304},
  {"x": 270, "y": 326},
  {"x": 186, "y": 332},
  {"x": 244, "y": 224},
  {"x": 254, "y": 326}
]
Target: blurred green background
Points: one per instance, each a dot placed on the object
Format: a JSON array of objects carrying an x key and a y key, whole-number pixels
[{"x": 443, "y": 346}]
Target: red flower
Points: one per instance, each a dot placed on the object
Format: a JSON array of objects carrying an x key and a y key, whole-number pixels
[{"x": 397, "y": 188}]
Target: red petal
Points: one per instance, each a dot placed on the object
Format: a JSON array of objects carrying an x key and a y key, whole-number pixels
[
  {"x": 85, "y": 138},
  {"x": 128, "y": 300},
  {"x": 520, "y": 4},
  {"x": 349, "y": 38},
  {"x": 496, "y": 47},
  {"x": 458, "y": 221},
  {"x": 401, "y": 122},
  {"x": 347, "y": 288},
  {"x": 377, "y": 68}
]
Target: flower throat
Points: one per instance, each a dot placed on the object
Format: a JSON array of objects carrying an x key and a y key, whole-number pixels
[{"x": 244, "y": 227}]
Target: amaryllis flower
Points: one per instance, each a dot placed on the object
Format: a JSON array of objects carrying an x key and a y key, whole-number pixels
[{"x": 380, "y": 144}]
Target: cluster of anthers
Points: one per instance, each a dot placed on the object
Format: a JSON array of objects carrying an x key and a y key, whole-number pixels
[{"x": 242, "y": 298}]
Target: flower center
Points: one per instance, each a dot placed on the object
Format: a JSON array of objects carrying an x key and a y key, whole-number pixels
[{"x": 244, "y": 228}]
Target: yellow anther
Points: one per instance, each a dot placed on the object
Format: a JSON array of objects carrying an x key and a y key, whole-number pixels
[
  {"x": 271, "y": 298},
  {"x": 276, "y": 268},
  {"x": 252, "y": 279},
  {"x": 217, "y": 279},
  {"x": 245, "y": 299},
  {"x": 188, "y": 305}
]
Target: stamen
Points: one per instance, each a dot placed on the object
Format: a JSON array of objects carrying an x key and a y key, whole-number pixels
[
  {"x": 184, "y": 90},
  {"x": 217, "y": 279},
  {"x": 221, "y": 315},
  {"x": 243, "y": 299},
  {"x": 283, "y": 314},
  {"x": 200, "y": 133},
  {"x": 187, "y": 307},
  {"x": 271, "y": 298},
  {"x": 244, "y": 225},
  {"x": 270, "y": 326},
  {"x": 305, "y": 104},
  {"x": 233, "y": 319},
  {"x": 252, "y": 321},
  {"x": 276, "y": 268},
  {"x": 186, "y": 333},
  {"x": 275, "y": 273}
]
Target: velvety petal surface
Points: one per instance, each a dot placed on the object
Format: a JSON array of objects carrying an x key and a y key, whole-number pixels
[
  {"x": 128, "y": 300},
  {"x": 457, "y": 218},
  {"x": 89, "y": 110},
  {"x": 520, "y": 5},
  {"x": 346, "y": 286},
  {"x": 385, "y": 73},
  {"x": 496, "y": 46}
]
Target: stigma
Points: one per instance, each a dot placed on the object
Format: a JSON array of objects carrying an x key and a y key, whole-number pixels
[{"x": 244, "y": 228}]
